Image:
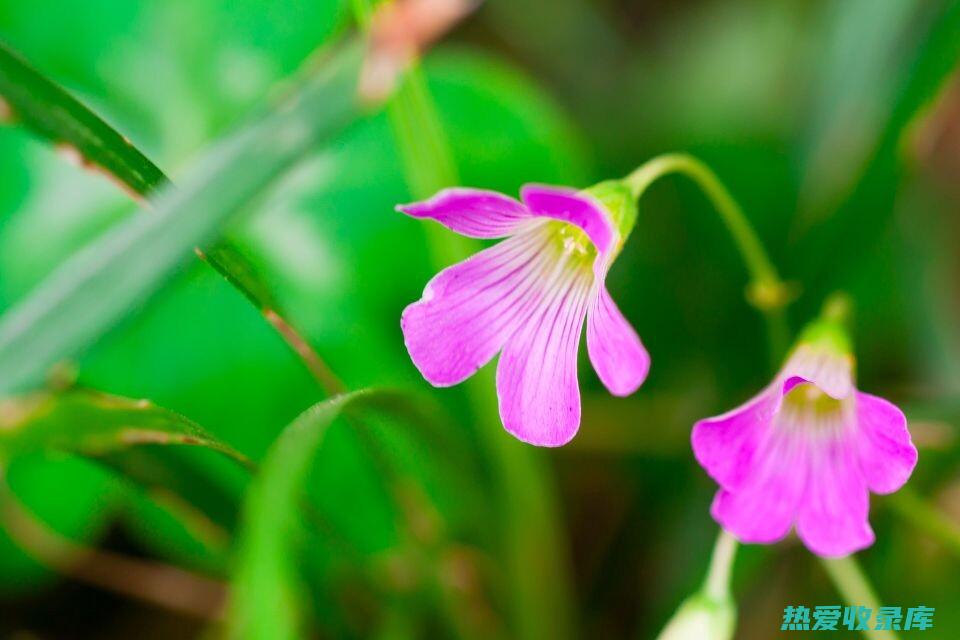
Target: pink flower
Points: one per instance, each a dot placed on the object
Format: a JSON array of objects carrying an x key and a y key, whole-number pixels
[
  {"x": 806, "y": 452},
  {"x": 527, "y": 297}
]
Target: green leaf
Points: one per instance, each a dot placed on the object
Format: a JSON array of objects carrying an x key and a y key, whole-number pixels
[
  {"x": 112, "y": 430},
  {"x": 232, "y": 264},
  {"x": 93, "y": 289},
  {"x": 95, "y": 424},
  {"x": 206, "y": 515},
  {"x": 270, "y": 585},
  {"x": 62, "y": 120},
  {"x": 266, "y": 595},
  {"x": 54, "y": 114}
]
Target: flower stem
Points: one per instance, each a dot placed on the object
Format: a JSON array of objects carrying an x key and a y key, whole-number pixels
[
  {"x": 717, "y": 584},
  {"x": 854, "y": 586},
  {"x": 766, "y": 291}
]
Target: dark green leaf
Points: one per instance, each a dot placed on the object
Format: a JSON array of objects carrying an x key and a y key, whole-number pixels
[
  {"x": 95, "y": 424},
  {"x": 236, "y": 268},
  {"x": 113, "y": 430},
  {"x": 54, "y": 114}
]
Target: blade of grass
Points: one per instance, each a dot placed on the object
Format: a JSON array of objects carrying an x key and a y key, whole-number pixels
[
  {"x": 267, "y": 595},
  {"x": 56, "y": 116},
  {"x": 230, "y": 263},
  {"x": 114, "y": 431},
  {"x": 95, "y": 424},
  {"x": 266, "y": 599},
  {"x": 93, "y": 289},
  {"x": 531, "y": 532}
]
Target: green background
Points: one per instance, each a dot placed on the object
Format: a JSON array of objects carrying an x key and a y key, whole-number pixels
[{"x": 832, "y": 123}]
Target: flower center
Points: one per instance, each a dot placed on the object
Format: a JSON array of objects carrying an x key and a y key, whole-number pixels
[
  {"x": 808, "y": 408},
  {"x": 572, "y": 242}
]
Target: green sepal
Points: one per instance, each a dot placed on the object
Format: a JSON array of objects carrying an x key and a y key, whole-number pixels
[
  {"x": 829, "y": 331},
  {"x": 621, "y": 206}
]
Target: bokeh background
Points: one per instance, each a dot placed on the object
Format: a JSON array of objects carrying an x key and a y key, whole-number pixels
[{"x": 835, "y": 124}]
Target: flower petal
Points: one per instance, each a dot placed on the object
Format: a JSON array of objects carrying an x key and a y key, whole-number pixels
[
  {"x": 725, "y": 445},
  {"x": 615, "y": 349},
  {"x": 576, "y": 208},
  {"x": 476, "y": 213},
  {"x": 887, "y": 455},
  {"x": 469, "y": 310},
  {"x": 537, "y": 373},
  {"x": 763, "y": 505},
  {"x": 831, "y": 372},
  {"x": 832, "y": 520}
]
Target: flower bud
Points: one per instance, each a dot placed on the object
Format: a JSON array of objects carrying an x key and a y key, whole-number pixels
[{"x": 701, "y": 618}]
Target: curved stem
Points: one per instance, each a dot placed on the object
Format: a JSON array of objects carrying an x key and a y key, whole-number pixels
[
  {"x": 855, "y": 588},
  {"x": 766, "y": 291},
  {"x": 749, "y": 246},
  {"x": 717, "y": 584}
]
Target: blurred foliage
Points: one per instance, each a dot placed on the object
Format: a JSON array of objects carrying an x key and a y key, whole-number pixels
[{"x": 826, "y": 121}]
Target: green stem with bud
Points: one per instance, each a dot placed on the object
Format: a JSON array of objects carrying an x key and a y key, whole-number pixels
[
  {"x": 717, "y": 584},
  {"x": 766, "y": 291},
  {"x": 710, "y": 613}
]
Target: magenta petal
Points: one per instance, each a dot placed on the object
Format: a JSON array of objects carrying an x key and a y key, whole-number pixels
[
  {"x": 568, "y": 205},
  {"x": 725, "y": 446},
  {"x": 832, "y": 520},
  {"x": 537, "y": 372},
  {"x": 476, "y": 213},
  {"x": 615, "y": 349},
  {"x": 887, "y": 455},
  {"x": 762, "y": 507},
  {"x": 469, "y": 310}
]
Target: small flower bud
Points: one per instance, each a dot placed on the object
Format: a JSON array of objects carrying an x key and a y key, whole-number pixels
[{"x": 701, "y": 618}]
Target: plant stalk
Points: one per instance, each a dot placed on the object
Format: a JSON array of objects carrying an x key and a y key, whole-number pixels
[{"x": 766, "y": 291}]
